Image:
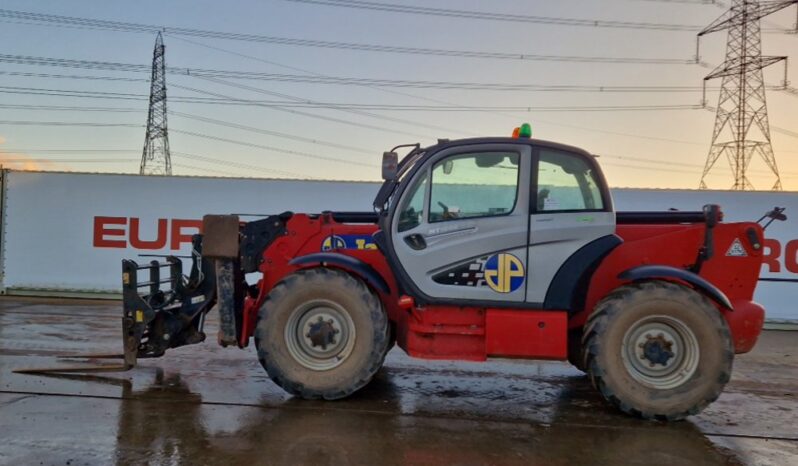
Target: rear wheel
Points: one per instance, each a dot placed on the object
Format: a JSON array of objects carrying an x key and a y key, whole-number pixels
[
  {"x": 658, "y": 350},
  {"x": 321, "y": 333}
]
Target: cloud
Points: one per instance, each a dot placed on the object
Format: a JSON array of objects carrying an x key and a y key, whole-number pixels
[{"x": 18, "y": 161}]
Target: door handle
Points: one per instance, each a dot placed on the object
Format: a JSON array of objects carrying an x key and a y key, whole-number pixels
[{"x": 416, "y": 241}]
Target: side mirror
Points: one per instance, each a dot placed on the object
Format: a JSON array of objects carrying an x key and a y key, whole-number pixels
[
  {"x": 390, "y": 164},
  {"x": 448, "y": 165}
]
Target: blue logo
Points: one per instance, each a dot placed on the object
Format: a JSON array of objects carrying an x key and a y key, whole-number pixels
[
  {"x": 504, "y": 273},
  {"x": 333, "y": 242}
]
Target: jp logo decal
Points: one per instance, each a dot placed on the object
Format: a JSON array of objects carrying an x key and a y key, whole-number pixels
[
  {"x": 504, "y": 273},
  {"x": 348, "y": 242},
  {"x": 333, "y": 242}
]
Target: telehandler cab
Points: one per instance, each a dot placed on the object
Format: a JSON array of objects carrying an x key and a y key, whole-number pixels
[{"x": 476, "y": 249}]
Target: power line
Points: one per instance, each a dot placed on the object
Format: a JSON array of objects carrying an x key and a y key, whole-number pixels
[
  {"x": 512, "y": 17},
  {"x": 382, "y": 83},
  {"x": 311, "y": 114},
  {"x": 690, "y": 2},
  {"x": 72, "y": 76},
  {"x": 274, "y": 149},
  {"x": 317, "y": 78},
  {"x": 350, "y": 105},
  {"x": 663, "y": 165},
  {"x": 784, "y": 131},
  {"x": 505, "y": 17},
  {"x": 69, "y": 123},
  {"x": 446, "y": 85},
  {"x": 244, "y": 166},
  {"x": 493, "y": 55},
  {"x": 271, "y": 133},
  {"x": 358, "y": 106},
  {"x": 335, "y": 80},
  {"x": 440, "y": 101},
  {"x": 32, "y": 160},
  {"x": 61, "y": 151},
  {"x": 670, "y": 163},
  {"x": 296, "y": 100},
  {"x": 304, "y": 139},
  {"x": 214, "y": 171},
  {"x": 638, "y": 136},
  {"x": 49, "y": 20},
  {"x": 119, "y": 96},
  {"x": 444, "y": 108},
  {"x": 61, "y": 108},
  {"x": 70, "y": 93}
]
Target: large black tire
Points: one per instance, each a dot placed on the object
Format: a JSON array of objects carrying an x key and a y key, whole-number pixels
[
  {"x": 321, "y": 333},
  {"x": 658, "y": 350},
  {"x": 576, "y": 355}
]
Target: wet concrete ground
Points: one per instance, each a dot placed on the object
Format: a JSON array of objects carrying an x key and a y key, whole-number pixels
[{"x": 204, "y": 404}]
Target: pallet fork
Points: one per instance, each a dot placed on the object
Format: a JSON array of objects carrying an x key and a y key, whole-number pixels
[{"x": 169, "y": 313}]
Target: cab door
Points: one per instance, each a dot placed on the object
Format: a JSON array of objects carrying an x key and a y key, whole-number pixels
[
  {"x": 571, "y": 208},
  {"x": 460, "y": 230}
]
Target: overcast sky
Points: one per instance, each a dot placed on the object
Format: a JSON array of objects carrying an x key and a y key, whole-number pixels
[{"x": 661, "y": 148}]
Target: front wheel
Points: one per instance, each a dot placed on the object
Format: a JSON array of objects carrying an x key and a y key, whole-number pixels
[
  {"x": 321, "y": 333},
  {"x": 658, "y": 350}
]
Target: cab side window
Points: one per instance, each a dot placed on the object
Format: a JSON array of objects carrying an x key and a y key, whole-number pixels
[
  {"x": 412, "y": 212},
  {"x": 566, "y": 183},
  {"x": 474, "y": 185}
]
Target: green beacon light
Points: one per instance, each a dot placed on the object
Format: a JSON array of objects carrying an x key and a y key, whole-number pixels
[{"x": 525, "y": 131}]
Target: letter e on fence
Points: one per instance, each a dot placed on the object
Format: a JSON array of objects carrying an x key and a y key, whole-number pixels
[{"x": 102, "y": 232}]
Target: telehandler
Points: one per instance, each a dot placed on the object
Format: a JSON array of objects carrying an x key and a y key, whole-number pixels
[{"x": 476, "y": 249}]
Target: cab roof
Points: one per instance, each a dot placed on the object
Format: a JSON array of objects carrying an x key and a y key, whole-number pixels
[{"x": 445, "y": 143}]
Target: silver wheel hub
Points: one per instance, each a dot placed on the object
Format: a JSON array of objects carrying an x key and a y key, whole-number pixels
[
  {"x": 660, "y": 352},
  {"x": 320, "y": 334}
]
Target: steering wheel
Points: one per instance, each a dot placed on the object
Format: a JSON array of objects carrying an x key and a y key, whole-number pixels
[
  {"x": 447, "y": 215},
  {"x": 408, "y": 218}
]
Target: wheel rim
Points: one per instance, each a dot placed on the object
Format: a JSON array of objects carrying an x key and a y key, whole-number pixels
[
  {"x": 320, "y": 335},
  {"x": 660, "y": 352}
]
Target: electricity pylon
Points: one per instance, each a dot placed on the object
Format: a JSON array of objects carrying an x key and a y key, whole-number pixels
[
  {"x": 155, "y": 159},
  {"x": 742, "y": 107}
]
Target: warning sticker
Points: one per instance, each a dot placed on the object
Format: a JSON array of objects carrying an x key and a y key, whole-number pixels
[{"x": 736, "y": 249}]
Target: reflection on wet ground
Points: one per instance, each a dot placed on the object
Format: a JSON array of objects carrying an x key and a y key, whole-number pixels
[{"x": 208, "y": 405}]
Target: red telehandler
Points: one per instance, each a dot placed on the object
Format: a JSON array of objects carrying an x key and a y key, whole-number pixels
[{"x": 476, "y": 249}]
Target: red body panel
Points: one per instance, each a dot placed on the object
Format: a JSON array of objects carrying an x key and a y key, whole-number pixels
[
  {"x": 677, "y": 246},
  {"x": 472, "y": 333},
  {"x": 522, "y": 333}
]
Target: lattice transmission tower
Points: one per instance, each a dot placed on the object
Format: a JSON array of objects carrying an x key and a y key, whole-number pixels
[
  {"x": 741, "y": 128},
  {"x": 155, "y": 159}
]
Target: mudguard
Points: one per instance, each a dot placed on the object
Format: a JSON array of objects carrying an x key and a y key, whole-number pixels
[
  {"x": 348, "y": 263},
  {"x": 650, "y": 272}
]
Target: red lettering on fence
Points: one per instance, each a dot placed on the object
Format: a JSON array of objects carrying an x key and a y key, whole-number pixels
[
  {"x": 178, "y": 237},
  {"x": 771, "y": 255},
  {"x": 138, "y": 243},
  {"x": 791, "y": 256},
  {"x": 101, "y": 232},
  {"x": 127, "y": 232}
]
